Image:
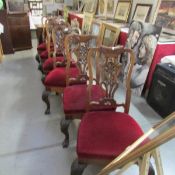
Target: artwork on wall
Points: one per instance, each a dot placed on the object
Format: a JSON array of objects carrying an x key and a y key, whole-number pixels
[
  {"x": 91, "y": 6},
  {"x": 111, "y": 7},
  {"x": 166, "y": 15},
  {"x": 102, "y": 7},
  {"x": 109, "y": 35},
  {"x": 142, "y": 39},
  {"x": 142, "y": 12},
  {"x": 122, "y": 11},
  {"x": 59, "y": 1},
  {"x": 45, "y": 2},
  {"x": 95, "y": 28},
  {"x": 87, "y": 21},
  {"x": 15, "y": 6}
]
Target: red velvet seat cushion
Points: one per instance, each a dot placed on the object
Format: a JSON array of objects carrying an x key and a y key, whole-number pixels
[
  {"x": 57, "y": 77},
  {"x": 75, "y": 99},
  {"x": 41, "y": 47},
  {"x": 43, "y": 55},
  {"x": 104, "y": 135},
  {"x": 48, "y": 64}
]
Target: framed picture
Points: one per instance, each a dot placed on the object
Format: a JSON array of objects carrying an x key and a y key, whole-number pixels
[
  {"x": 142, "y": 12},
  {"x": 91, "y": 6},
  {"x": 111, "y": 7},
  {"x": 14, "y": 6},
  {"x": 95, "y": 28},
  {"x": 166, "y": 16},
  {"x": 59, "y": 1},
  {"x": 102, "y": 7},
  {"x": 87, "y": 21},
  {"x": 45, "y": 2},
  {"x": 109, "y": 35},
  {"x": 122, "y": 11}
]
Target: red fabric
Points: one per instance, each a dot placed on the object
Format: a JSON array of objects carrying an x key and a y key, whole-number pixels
[
  {"x": 104, "y": 135},
  {"x": 48, "y": 64},
  {"x": 41, "y": 47},
  {"x": 75, "y": 99},
  {"x": 44, "y": 55},
  {"x": 73, "y": 16},
  {"x": 122, "y": 38},
  {"x": 161, "y": 51},
  {"x": 57, "y": 77}
]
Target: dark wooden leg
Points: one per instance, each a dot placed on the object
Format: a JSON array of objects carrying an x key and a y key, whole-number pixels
[
  {"x": 43, "y": 78},
  {"x": 45, "y": 98},
  {"x": 40, "y": 68},
  {"x": 37, "y": 58},
  {"x": 151, "y": 170},
  {"x": 64, "y": 129},
  {"x": 77, "y": 168}
]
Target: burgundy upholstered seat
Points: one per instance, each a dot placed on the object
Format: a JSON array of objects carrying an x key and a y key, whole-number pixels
[
  {"x": 44, "y": 55},
  {"x": 48, "y": 64},
  {"x": 42, "y": 47},
  {"x": 57, "y": 77},
  {"x": 75, "y": 99},
  {"x": 104, "y": 135}
]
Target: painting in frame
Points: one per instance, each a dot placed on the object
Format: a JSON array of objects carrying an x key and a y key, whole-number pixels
[
  {"x": 122, "y": 11},
  {"x": 91, "y": 6},
  {"x": 59, "y": 1},
  {"x": 87, "y": 21},
  {"x": 166, "y": 16},
  {"x": 102, "y": 7},
  {"x": 109, "y": 35},
  {"x": 111, "y": 7},
  {"x": 142, "y": 12}
]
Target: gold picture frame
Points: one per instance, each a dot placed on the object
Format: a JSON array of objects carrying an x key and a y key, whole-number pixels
[
  {"x": 87, "y": 21},
  {"x": 141, "y": 12},
  {"x": 122, "y": 11},
  {"x": 102, "y": 7},
  {"x": 109, "y": 35},
  {"x": 91, "y": 6},
  {"x": 111, "y": 7}
]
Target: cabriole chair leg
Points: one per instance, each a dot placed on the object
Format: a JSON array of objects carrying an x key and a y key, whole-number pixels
[
  {"x": 77, "y": 168},
  {"x": 45, "y": 98},
  {"x": 64, "y": 129}
]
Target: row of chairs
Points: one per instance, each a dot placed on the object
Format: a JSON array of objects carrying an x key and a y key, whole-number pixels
[{"x": 87, "y": 75}]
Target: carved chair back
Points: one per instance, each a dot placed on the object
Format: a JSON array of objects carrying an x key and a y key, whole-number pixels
[
  {"x": 76, "y": 50},
  {"x": 106, "y": 74}
]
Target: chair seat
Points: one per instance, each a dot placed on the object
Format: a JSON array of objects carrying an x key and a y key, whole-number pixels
[
  {"x": 104, "y": 134},
  {"x": 42, "y": 47},
  {"x": 48, "y": 64},
  {"x": 57, "y": 77},
  {"x": 44, "y": 55},
  {"x": 75, "y": 99}
]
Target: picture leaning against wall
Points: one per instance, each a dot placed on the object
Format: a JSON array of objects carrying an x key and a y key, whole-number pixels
[{"x": 142, "y": 39}]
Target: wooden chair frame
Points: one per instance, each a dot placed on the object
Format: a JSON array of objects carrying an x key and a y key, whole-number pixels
[
  {"x": 59, "y": 90},
  {"x": 1, "y": 51},
  {"x": 113, "y": 53}
]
